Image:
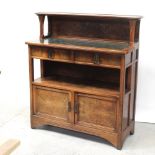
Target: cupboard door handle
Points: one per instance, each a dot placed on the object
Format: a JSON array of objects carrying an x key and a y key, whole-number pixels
[
  {"x": 69, "y": 106},
  {"x": 96, "y": 58},
  {"x": 50, "y": 54},
  {"x": 76, "y": 108}
]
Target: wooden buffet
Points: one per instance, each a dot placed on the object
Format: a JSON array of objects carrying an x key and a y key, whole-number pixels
[{"x": 88, "y": 74}]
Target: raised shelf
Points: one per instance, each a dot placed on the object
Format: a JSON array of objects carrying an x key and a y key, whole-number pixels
[{"x": 78, "y": 85}]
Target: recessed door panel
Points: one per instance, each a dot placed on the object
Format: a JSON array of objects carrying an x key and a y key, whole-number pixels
[
  {"x": 50, "y": 102},
  {"x": 95, "y": 111}
]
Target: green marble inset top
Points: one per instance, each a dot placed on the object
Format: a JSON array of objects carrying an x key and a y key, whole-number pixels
[{"x": 85, "y": 43}]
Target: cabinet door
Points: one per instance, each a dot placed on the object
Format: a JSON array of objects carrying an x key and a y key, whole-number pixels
[
  {"x": 95, "y": 111},
  {"x": 52, "y": 103}
]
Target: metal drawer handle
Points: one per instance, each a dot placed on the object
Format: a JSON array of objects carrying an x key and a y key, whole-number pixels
[
  {"x": 96, "y": 58},
  {"x": 69, "y": 107},
  {"x": 76, "y": 108},
  {"x": 50, "y": 54}
]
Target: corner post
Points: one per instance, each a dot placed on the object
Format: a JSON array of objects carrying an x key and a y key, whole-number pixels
[
  {"x": 120, "y": 106},
  {"x": 31, "y": 77},
  {"x": 41, "y": 20},
  {"x": 49, "y": 26},
  {"x": 132, "y": 25}
]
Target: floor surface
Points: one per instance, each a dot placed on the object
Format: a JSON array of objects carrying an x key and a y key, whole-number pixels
[{"x": 55, "y": 141}]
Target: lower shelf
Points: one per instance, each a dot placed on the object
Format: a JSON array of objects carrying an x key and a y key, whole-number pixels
[{"x": 78, "y": 85}]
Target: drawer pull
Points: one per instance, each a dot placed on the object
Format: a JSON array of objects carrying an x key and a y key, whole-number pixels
[
  {"x": 69, "y": 107},
  {"x": 96, "y": 58},
  {"x": 76, "y": 108},
  {"x": 50, "y": 54}
]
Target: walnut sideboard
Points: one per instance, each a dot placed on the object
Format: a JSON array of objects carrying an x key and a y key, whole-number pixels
[{"x": 88, "y": 74}]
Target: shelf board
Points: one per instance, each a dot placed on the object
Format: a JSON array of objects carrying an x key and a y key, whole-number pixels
[
  {"x": 92, "y": 45},
  {"x": 78, "y": 85},
  {"x": 76, "y": 62},
  {"x": 89, "y": 43},
  {"x": 90, "y": 15}
]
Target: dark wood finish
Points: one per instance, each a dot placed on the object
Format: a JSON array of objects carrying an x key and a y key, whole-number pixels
[{"x": 88, "y": 75}]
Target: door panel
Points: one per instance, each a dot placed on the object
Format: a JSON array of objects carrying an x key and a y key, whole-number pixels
[
  {"x": 95, "y": 111},
  {"x": 53, "y": 103}
]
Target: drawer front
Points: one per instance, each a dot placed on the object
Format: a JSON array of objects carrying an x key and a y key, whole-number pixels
[
  {"x": 77, "y": 56},
  {"x": 109, "y": 59},
  {"x": 98, "y": 58},
  {"x": 50, "y": 53},
  {"x": 52, "y": 103},
  {"x": 59, "y": 54},
  {"x": 84, "y": 57},
  {"x": 96, "y": 111},
  {"x": 39, "y": 52}
]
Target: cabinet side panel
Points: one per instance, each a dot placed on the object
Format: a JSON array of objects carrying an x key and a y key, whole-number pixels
[
  {"x": 126, "y": 105},
  {"x": 133, "y": 95}
]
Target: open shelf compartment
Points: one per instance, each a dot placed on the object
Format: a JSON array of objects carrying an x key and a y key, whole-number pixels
[{"x": 79, "y": 78}]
